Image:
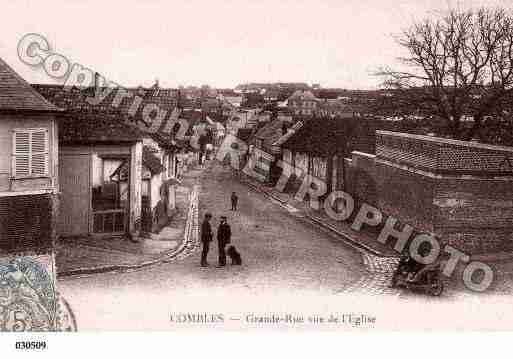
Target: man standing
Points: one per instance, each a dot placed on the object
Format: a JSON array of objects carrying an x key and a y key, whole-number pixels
[
  {"x": 234, "y": 199},
  {"x": 206, "y": 238},
  {"x": 224, "y": 234}
]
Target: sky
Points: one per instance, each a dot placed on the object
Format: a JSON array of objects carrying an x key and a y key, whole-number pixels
[{"x": 338, "y": 43}]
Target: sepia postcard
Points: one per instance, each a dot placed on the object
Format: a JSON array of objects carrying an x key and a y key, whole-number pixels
[{"x": 255, "y": 166}]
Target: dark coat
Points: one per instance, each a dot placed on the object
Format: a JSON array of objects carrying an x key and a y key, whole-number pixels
[
  {"x": 234, "y": 198},
  {"x": 224, "y": 233},
  {"x": 206, "y": 232}
]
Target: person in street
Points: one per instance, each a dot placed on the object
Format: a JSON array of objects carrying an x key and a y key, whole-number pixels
[
  {"x": 234, "y": 200},
  {"x": 224, "y": 234},
  {"x": 206, "y": 238}
]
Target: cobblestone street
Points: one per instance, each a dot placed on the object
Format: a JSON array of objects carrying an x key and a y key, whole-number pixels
[{"x": 377, "y": 278}]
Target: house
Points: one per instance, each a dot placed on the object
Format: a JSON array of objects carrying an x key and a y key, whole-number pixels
[
  {"x": 93, "y": 200},
  {"x": 29, "y": 182},
  {"x": 334, "y": 108},
  {"x": 231, "y": 98},
  {"x": 266, "y": 139},
  {"x": 214, "y": 132},
  {"x": 271, "y": 95},
  {"x": 264, "y": 116},
  {"x": 154, "y": 210},
  {"x": 111, "y": 183},
  {"x": 242, "y": 118},
  {"x": 201, "y": 135},
  {"x": 318, "y": 146},
  {"x": 303, "y": 103}
]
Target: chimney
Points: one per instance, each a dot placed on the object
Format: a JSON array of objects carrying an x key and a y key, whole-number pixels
[
  {"x": 284, "y": 128},
  {"x": 156, "y": 88},
  {"x": 96, "y": 80},
  {"x": 179, "y": 99}
]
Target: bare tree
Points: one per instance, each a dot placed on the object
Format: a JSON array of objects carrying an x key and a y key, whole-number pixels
[{"x": 459, "y": 65}]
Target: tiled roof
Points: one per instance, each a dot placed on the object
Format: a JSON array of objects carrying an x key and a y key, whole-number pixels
[
  {"x": 16, "y": 94},
  {"x": 166, "y": 141},
  {"x": 291, "y": 131},
  {"x": 271, "y": 132},
  {"x": 333, "y": 104},
  {"x": 76, "y": 99},
  {"x": 321, "y": 136},
  {"x": 77, "y": 128},
  {"x": 272, "y": 93},
  {"x": 105, "y": 122},
  {"x": 303, "y": 95},
  {"x": 193, "y": 117}
]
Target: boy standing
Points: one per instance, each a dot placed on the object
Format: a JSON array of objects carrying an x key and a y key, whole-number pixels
[{"x": 234, "y": 200}]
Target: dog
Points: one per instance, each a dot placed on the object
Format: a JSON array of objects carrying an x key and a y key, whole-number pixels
[{"x": 234, "y": 256}]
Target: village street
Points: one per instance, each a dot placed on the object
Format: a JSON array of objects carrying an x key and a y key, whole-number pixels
[{"x": 281, "y": 256}]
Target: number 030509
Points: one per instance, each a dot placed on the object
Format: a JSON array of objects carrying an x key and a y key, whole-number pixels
[{"x": 30, "y": 345}]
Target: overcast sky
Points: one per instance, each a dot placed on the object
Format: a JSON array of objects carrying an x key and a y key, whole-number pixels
[{"x": 220, "y": 43}]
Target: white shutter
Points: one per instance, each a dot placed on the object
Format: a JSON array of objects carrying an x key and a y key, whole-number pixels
[
  {"x": 30, "y": 153},
  {"x": 21, "y": 151},
  {"x": 39, "y": 152}
]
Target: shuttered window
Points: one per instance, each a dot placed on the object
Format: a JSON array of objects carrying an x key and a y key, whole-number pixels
[{"x": 30, "y": 153}]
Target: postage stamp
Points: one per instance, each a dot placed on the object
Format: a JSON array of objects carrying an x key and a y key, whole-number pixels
[{"x": 28, "y": 297}]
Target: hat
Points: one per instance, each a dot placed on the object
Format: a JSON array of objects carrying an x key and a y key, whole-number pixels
[{"x": 223, "y": 217}]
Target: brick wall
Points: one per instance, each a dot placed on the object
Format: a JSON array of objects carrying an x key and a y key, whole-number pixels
[
  {"x": 361, "y": 178},
  {"x": 474, "y": 212},
  {"x": 442, "y": 155},
  {"x": 460, "y": 191},
  {"x": 27, "y": 224},
  {"x": 406, "y": 150},
  {"x": 406, "y": 196}
]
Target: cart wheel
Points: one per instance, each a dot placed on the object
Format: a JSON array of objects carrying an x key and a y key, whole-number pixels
[{"x": 437, "y": 289}]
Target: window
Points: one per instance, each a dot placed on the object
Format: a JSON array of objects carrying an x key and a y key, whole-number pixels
[
  {"x": 170, "y": 167},
  {"x": 30, "y": 153}
]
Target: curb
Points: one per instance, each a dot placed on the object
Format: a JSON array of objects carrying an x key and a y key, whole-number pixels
[
  {"x": 344, "y": 237},
  {"x": 350, "y": 240},
  {"x": 189, "y": 231},
  {"x": 499, "y": 257}
]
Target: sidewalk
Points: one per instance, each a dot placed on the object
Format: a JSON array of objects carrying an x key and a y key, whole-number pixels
[
  {"x": 363, "y": 240},
  {"x": 95, "y": 255}
]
